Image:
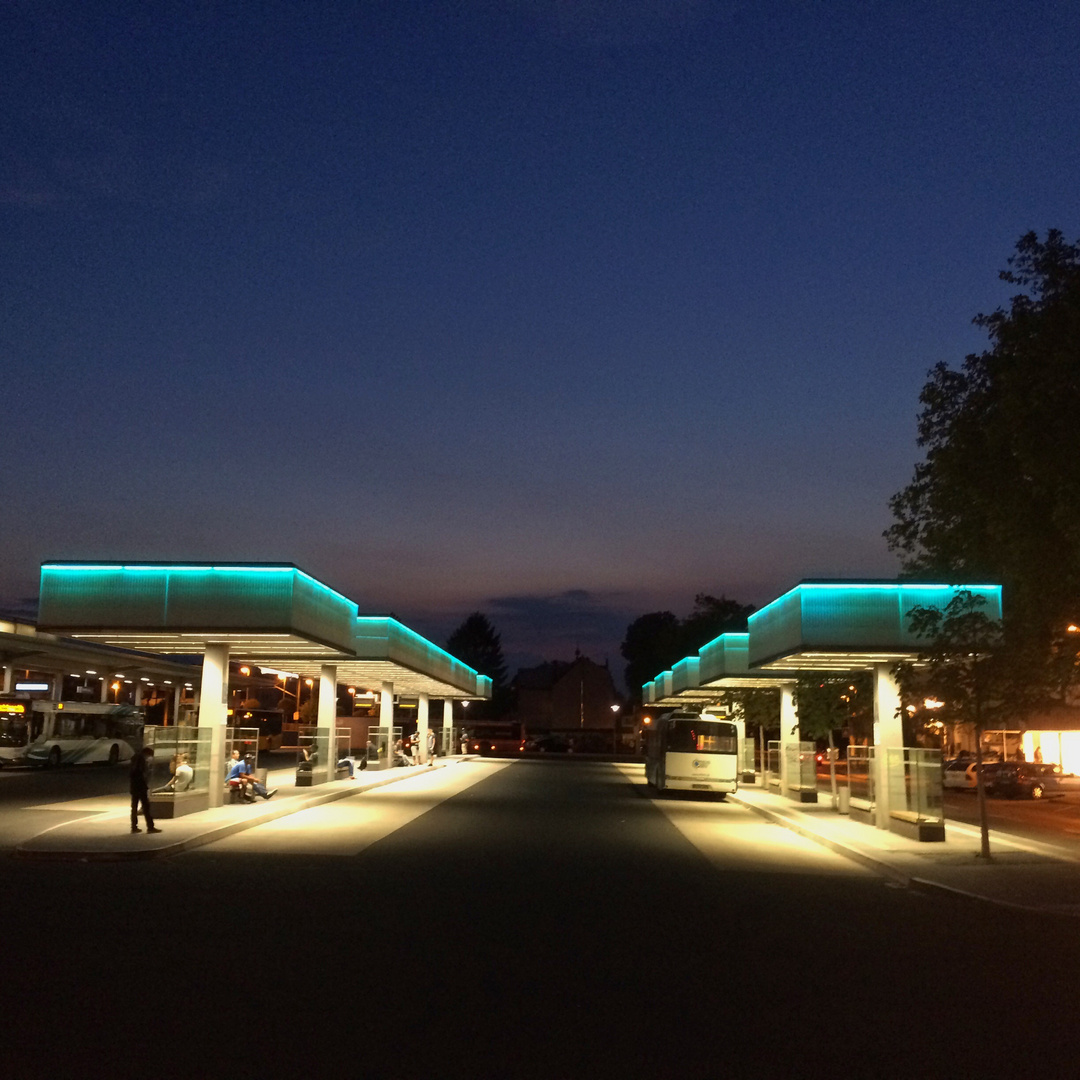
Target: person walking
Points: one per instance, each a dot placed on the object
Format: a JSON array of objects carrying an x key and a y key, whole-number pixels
[{"x": 140, "y": 790}]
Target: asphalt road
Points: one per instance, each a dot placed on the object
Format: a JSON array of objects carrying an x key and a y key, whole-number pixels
[{"x": 539, "y": 919}]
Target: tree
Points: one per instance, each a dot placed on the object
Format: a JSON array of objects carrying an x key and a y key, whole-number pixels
[
  {"x": 476, "y": 643},
  {"x": 652, "y": 644},
  {"x": 997, "y": 496},
  {"x": 831, "y": 703},
  {"x": 712, "y": 617},
  {"x": 655, "y": 642},
  {"x": 759, "y": 709},
  {"x": 962, "y": 667}
]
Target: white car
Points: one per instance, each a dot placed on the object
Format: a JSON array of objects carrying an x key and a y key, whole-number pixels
[{"x": 959, "y": 776}]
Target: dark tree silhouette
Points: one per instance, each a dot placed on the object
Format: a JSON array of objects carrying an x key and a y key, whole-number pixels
[
  {"x": 476, "y": 643},
  {"x": 997, "y": 496},
  {"x": 654, "y": 642}
]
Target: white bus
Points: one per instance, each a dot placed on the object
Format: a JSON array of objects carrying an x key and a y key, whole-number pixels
[
  {"x": 50, "y": 733},
  {"x": 689, "y": 752}
]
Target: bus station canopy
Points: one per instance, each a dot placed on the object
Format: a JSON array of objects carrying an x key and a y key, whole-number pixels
[
  {"x": 23, "y": 646},
  {"x": 720, "y": 665},
  {"x": 849, "y": 625},
  {"x": 270, "y": 614},
  {"x": 816, "y": 626}
]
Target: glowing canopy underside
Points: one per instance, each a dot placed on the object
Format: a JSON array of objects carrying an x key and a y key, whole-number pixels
[{"x": 270, "y": 614}]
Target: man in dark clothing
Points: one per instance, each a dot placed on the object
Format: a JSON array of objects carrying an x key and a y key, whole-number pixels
[{"x": 140, "y": 790}]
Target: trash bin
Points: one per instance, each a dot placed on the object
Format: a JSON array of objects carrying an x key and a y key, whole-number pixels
[{"x": 844, "y": 799}]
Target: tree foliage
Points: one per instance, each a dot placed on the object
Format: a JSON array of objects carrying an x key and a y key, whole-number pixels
[
  {"x": 653, "y": 642},
  {"x": 831, "y": 703},
  {"x": 997, "y": 496},
  {"x": 660, "y": 639},
  {"x": 963, "y": 665},
  {"x": 960, "y": 663},
  {"x": 476, "y": 643}
]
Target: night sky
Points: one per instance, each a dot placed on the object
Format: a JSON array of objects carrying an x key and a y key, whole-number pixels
[{"x": 561, "y": 310}]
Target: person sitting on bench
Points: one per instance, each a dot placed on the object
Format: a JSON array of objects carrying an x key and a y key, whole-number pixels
[
  {"x": 242, "y": 771},
  {"x": 183, "y": 775}
]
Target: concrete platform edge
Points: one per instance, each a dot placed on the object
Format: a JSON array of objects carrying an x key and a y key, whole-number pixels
[
  {"x": 271, "y": 813},
  {"x": 884, "y": 869},
  {"x": 877, "y": 865}
]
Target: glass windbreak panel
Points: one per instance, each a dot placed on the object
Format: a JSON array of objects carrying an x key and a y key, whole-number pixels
[
  {"x": 801, "y": 766},
  {"x": 343, "y": 739},
  {"x": 307, "y": 748},
  {"x": 773, "y": 762},
  {"x": 702, "y": 737},
  {"x": 181, "y": 761},
  {"x": 860, "y": 767},
  {"x": 324, "y": 742},
  {"x": 748, "y": 763},
  {"x": 245, "y": 741},
  {"x": 914, "y": 781}
]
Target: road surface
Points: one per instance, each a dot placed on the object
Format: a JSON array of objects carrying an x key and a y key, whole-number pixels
[{"x": 531, "y": 919}]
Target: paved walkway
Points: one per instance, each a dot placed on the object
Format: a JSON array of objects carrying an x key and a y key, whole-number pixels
[
  {"x": 107, "y": 835},
  {"x": 1021, "y": 873}
]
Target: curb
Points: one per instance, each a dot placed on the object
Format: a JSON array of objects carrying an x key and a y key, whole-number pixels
[
  {"x": 854, "y": 854},
  {"x": 283, "y": 809},
  {"x": 898, "y": 877}
]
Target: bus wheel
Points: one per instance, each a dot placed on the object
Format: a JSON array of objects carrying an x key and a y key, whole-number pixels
[
  {"x": 54, "y": 757},
  {"x": 114, "y": 754}
]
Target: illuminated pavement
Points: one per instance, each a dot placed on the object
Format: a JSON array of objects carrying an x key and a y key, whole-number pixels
[{"x": 544, "y": 919}]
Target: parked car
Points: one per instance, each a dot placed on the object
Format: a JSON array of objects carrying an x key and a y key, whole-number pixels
[
  {"x": 1025, "y": 778},
  {"x": 959, "y": 774}
]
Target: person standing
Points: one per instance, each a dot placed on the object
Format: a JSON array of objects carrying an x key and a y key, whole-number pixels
[
  {"x": 430, "y": 747},
  {"x": 140, "y": 790}
]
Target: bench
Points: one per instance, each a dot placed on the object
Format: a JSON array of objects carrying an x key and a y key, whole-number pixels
[{"x": 909, "y": 824}]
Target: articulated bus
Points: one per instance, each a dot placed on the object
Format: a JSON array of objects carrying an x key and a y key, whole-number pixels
[
  {"x": 50, "y": 733},
  {"x": 689, "y": 752}
]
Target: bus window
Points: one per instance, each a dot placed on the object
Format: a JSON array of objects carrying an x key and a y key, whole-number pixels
[
  {"x": 701, "y": 737},
  {"x": 13, "y": 732}
]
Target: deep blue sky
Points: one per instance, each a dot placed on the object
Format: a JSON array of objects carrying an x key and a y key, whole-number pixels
[{"x": 561, "y": 310}]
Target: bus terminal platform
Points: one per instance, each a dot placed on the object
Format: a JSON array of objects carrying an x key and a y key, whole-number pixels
[
  {"x": 1022, "y": 874},
  {"x": 106, "y": 835}
]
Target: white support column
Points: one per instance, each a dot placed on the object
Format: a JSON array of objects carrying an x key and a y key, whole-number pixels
[
  {"x": 448, "y": 726},
  {"x": 422, "y": 707},
  {"x": 176, "y": 706},
  {"x": 327, "y": 716},
  {"x": 104, "y": 691},
  {"x": 56, "y": 692},
  {"x": 789, "y": 733},
  {"x": 139, "y": 693},
  {"x": 888, "y": 734},
  {"x": 386, "y": 722},
  {"x": 214, "y": 713},
  {"x": 9, "y": 678}
]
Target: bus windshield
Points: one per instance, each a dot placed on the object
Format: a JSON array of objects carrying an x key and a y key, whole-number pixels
[
  {"x": 702, "y": 737},
  {"x": 13, "y": 732}
]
